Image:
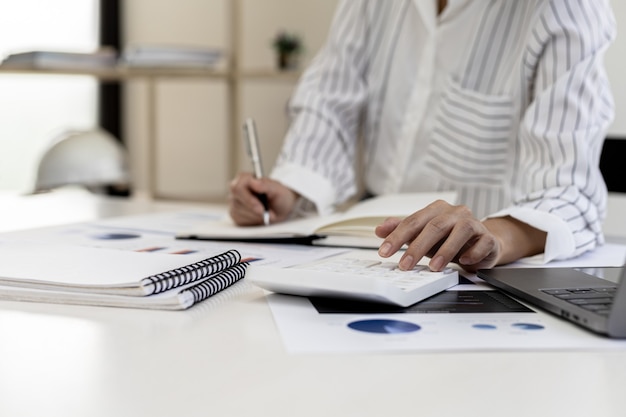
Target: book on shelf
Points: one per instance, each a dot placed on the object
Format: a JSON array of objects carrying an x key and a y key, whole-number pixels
[
  {"x": 68, "y": 274},
  {"x": 103, "y": 58},
  {"x": 353, "y": 227},
  {"x": 165, "y": 56}
]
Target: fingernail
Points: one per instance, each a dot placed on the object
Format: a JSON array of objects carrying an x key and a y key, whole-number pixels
[
  {"x": 436, "y": 264},
  {"x": 406, "y": 263},
  {"x": 385, "y": 249}
]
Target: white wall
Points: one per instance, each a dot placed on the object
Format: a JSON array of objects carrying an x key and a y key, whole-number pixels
[
  {"x": 36, "y": 109},
  {"x": 193, "y": 130}
]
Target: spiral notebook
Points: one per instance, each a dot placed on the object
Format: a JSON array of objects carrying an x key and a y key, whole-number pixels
[{"x": 65, "y": 274}]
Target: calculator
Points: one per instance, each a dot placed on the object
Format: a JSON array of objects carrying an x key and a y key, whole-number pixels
[{"x": 354, "y": 276}]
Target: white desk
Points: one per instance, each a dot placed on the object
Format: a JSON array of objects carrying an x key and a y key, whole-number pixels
[{"x": 225, "y": 358}]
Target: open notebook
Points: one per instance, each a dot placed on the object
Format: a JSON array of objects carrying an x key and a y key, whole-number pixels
[
  {"x": 67, "y": 274},
  {"x": 351, "y": 228}
]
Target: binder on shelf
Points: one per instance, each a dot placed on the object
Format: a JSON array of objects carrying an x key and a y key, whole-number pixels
[
  {"x": 103, "y": 58},
  {"x": 66, "y": 274},
  {"x": 164, "y": 56}
]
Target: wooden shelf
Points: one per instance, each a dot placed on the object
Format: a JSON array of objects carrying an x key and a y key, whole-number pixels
[
  {"x": 121, "y": 73},
  {"x": 125, "y": 73},
  {"x": 228, "y": 71},
  {"x": 268, "y": 74}
]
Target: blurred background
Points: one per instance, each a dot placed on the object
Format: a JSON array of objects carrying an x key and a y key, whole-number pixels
[{"x": 181, "y": 130}]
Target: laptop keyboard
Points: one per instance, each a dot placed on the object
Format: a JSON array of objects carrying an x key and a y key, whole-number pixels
[{"x": 598, "y": 300}]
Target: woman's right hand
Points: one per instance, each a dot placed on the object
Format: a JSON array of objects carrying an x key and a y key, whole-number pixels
[{"x": 247, "y": 210}]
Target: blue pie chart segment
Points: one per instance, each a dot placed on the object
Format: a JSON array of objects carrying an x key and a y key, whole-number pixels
[
  {"x": 528, "y": 326},
  {"x": 116, "y": 236},
  {"x": 383, "y": 326},
  {"x": 484, "y": 326}
]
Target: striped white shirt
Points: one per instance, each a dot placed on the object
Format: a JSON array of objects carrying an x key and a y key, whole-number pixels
[{"x": 505, "y": 101}]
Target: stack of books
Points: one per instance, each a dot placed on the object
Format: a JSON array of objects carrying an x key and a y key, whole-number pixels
[
  {"x": 70, "y": 274},
  {"x": 170, "y": 56},
  {"x": 104, "y": 58}
]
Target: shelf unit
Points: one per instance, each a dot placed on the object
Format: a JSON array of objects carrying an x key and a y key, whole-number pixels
[
  {"x": 147, "y": 136},
  {"x": 151, "y": 76},
  {"x": 121, "y": 74}
]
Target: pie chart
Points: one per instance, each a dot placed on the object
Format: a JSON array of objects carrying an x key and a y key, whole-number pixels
[
  {"x": 528, "y": 326},
  {"x": 116, "y": 236},
  {"x": 383, "y": 326}
]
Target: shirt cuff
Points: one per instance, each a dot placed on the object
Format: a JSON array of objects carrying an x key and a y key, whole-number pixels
[
  {"x": 559, "y": 240},
  {"x": 308, "y": 184}
]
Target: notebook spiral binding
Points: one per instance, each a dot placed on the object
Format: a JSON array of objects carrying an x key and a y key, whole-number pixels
[
  {"x": 184, "y": 275},
  {"x": 217, "y": 283}
]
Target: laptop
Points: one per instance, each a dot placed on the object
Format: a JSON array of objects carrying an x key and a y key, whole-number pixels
[{"x": 593, "y": 298}]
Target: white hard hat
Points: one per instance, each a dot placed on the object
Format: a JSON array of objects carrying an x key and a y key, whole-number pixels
[{"x": 92, "y": 158}]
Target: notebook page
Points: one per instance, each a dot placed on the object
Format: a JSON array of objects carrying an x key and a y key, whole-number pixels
[{"x": 33, "y": 263}]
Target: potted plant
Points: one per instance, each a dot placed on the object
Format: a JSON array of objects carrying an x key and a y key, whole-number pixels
[{"x": 288, "y": 47}]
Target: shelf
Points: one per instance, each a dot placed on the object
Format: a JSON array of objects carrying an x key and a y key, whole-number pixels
[
  {"x": 268, "y": 74},
  {"x": 121, "y": 73},
  {"x": 125, "y": 73},
  {"x": 228, "y": 71},
  {"x": 151, "y": 75}
]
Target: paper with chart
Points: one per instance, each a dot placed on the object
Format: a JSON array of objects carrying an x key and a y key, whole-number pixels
[
  {"x": 312, "y": 327},
  {"x": 468, "y": 317},
  {"x": 155, "y": 233}
]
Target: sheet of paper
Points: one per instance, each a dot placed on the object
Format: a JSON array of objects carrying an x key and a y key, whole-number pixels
[
  {"x": 609, "y": 254},
  {"x": 305, "y": 329},
  {"x": 155, "y": 233},
  {"x": 468, "y": 317},
  {"x": 81, "y": 265}
]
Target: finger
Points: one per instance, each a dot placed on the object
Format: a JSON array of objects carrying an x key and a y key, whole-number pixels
[
  {"x": 246, "y": 201},
  {"x": 244, "y": 206},
  {"x": 445, "y": 235},
  {"x": 398, "y": 232},
  {"x": 464, "y": 234},
  {"x": 433, "y": 233},
  {"x": 406, "y": 230},
  {"x": 387, "y": 226},
  {"x": 247, "y": 190},
  {"x": 260, "y": 185},
  {"x": 482, "y": 254},
  {"x": 239, "y": 181},
  {"x": 243, "y": 216}
]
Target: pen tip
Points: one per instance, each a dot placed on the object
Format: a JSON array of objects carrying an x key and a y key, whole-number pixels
[{"x": 266, "y": 218}]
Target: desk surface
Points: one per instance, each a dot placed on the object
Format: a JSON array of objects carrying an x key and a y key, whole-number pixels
[{"x": 225, "y": 358}]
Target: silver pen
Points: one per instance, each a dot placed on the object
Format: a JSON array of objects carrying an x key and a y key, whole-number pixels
[{"x": 252, "y": 147}]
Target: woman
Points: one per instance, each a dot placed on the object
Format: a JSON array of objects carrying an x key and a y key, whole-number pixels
[{"x": 506, "y": 102}]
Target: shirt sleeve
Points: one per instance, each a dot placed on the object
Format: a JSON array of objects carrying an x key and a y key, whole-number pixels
[
  {"x": 562, "y": 131},
  {"x": 320, "y": 147}
]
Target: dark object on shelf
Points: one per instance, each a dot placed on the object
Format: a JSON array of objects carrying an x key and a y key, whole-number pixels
[{"x": 288, "y": 47}]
